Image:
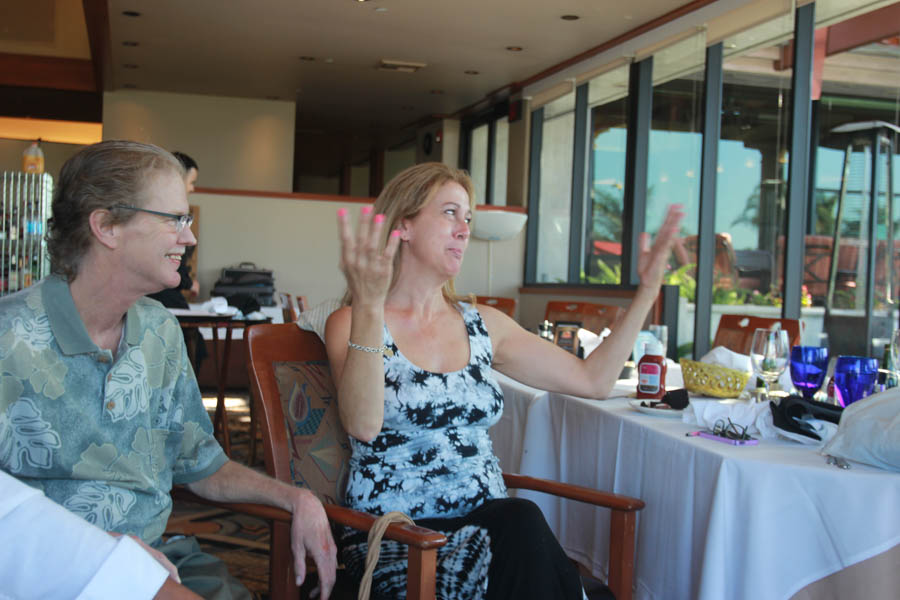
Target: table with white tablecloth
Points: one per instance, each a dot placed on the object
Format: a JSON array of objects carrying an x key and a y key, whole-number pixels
[{"x": 720, "y": 521}]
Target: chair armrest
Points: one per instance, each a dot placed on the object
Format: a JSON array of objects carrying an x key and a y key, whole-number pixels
[
  {"x": 574, "y": 492},
  {"x": 411, "y": 535}
]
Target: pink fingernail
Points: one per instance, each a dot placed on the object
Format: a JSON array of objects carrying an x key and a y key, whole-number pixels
[
  {"x": 366, "y": 209},
  {"x": 395, "y": 233},
  {"x": 379, "y": 218},
  {"x": 342, "y": 212}
]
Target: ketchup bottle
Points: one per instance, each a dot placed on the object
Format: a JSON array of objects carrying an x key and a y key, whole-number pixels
[{"x": 652, "y": 372}]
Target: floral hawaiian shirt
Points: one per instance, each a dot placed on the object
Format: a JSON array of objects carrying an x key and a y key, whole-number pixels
[{"x": 105, "y": 436}]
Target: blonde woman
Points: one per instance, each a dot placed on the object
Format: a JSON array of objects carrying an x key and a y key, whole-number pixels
[{"x": 412, "y": 364}]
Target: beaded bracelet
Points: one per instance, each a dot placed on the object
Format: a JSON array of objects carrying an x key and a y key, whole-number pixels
[{"x": 371, "y": 349}]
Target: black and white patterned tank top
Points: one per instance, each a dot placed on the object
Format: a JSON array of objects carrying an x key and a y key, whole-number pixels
[{"x": 433, "y": 457}]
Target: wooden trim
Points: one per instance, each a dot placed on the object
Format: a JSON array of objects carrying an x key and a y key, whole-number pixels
[
  {"x": 96, "y": 18},
  {"x": 287, "y": 195},
  {"x": 486, "y": 207},
  {"x": 26, "y": 70},
  {"x": 616, "y": 41}
]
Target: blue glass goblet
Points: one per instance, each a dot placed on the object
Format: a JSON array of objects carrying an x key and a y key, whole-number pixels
[
  {"x": 808, "y": 366},
  {"x": 854, "y": 378}
]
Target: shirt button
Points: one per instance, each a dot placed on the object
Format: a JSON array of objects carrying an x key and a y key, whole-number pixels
[
  {"x": 103, "y": 358},
  {"x": 110, "y": 405}
]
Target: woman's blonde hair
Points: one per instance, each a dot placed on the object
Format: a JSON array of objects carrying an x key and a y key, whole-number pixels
[{"x": 407, "y": 194}]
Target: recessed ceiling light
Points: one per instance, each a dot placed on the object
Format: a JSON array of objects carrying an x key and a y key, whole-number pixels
[
  {"x": 436, "y": 92},
  {"x": 308, "y": 58},
  {"x": 130, "y": 44},
  {"x": 471, "y": 72},
  {"x": 570, "y": 17},
  {"x": 130, "y": 66},
  {"x": 131, "y": 13},
  {"x": 514, "y": 48}
]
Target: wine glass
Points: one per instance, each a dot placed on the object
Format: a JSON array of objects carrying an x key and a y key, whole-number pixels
[
  {"x": 808, "y": 365},
  {"x": 769, "y": 354},
  {"x": 895, "y": 355}
]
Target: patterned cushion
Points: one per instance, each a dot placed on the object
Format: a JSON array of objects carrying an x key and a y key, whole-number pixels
[{"x": 320, "y": 450}]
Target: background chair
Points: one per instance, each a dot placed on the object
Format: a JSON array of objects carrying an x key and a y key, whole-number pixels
[
  {"x": 306, "y": 445},
  {"x": 735, "y": 332},
  {"x": 288, "y": 312},
  {"x": 594, "y": 317},
  {"x": 507, "y": 305}
]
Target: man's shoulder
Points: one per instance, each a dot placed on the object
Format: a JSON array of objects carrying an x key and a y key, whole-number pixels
[{"x": 24, "y": 303}]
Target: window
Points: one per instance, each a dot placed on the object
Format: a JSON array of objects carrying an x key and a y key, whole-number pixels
[{"x": 555, "y": 191}]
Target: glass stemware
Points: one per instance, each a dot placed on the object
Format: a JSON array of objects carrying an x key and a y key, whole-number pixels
[
  {"x": 894, "y": 356},
  {"x": 808, "y": 366},
  {"x": 769, "y": 354},
  {"x": 854, "y": 378}
]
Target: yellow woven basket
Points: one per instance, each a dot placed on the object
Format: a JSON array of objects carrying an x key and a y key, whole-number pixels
[{"x": 712, "y": 380}]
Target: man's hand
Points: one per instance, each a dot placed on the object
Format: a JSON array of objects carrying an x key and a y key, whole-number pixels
[{"x": 310, "y": 534}]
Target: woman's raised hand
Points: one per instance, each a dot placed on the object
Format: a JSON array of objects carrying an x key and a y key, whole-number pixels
[
  {"x": 653, "y": 259},
  {"x": 366, "y": 266}
]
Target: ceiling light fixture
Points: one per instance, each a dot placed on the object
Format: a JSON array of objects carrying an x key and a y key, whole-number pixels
[
  {"x": 402, "y": 66},
  {"x": 471, "y": 72},
  {"x": 308, "y": 58},
  {"x": 131, "y": 13},
  {"x": 570, "y": 17},
  {"x": 514, "y": 48}
]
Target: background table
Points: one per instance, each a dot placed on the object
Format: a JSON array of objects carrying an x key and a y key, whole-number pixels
[{"x": 721, "y": 521}]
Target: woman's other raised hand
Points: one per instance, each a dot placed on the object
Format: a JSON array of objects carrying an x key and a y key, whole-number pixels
[
  {"x": 653, "y": 259},
  {"x": 366, "y": 266}
]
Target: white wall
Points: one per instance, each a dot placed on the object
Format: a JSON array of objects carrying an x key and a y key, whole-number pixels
[
  {"x": 297, "y": 238},
  {"x": 239, "y": 143}
]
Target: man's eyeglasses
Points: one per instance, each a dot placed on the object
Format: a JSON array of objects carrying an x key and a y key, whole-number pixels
[
  {"x": 730, "y": 430},
  {"x": 181, "y": 221}
]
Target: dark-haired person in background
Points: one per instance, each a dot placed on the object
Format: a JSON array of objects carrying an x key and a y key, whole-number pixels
[{"x": 172, "y": 297}]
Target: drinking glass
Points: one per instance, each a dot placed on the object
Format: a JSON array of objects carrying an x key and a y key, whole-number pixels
[
  {"x": 661, "y": 332},
  {"x": 895, "y": 352},
  {"x": 769, "y": 354},
  {"x": 854, "y": 378},
  {"x": 808, "y": 365}
]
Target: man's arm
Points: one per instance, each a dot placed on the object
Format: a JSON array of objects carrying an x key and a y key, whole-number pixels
[
  {"x": 310, "y": 532},
  {"x": 46, "y": 551}
]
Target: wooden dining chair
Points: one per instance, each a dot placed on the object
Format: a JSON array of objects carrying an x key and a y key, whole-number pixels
[
  {"x": 305, "y": 444},
  {"x": 735, "y": 332},
  {"x": 506, "y": 305},
  {"x": 593, "y": 317}
]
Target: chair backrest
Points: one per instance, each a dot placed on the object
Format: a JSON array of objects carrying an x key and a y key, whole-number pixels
[
  {"x": 288, "y": 312},
  {"x": 303, "y": 439},
  {"x": 735, "y": 332},
  {"x": 593, "y": 317},
  {"x": 507, "y": 305}
]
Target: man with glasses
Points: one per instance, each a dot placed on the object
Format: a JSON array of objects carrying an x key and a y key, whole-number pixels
[{"x": 99, "y": 406}]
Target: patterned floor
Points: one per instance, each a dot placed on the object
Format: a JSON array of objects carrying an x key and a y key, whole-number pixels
[{"x": 242, "y": 542}]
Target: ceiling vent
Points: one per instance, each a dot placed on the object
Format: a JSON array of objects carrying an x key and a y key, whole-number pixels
[{"x": 401, "y": 66}]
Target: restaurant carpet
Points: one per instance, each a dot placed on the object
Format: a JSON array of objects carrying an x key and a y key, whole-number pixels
[{"x": 241, "y": 541}]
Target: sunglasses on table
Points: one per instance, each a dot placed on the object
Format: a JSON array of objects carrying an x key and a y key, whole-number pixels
[
  {"x": 180, "y": 221},
  {"x": 730, "y": 430}
]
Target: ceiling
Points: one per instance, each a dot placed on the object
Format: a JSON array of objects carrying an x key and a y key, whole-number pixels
[{"x": 324, "y": 54}]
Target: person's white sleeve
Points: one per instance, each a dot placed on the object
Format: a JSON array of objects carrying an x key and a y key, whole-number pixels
[{"x": 48, "y": 552}]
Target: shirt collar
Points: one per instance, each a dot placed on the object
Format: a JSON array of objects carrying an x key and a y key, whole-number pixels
[{"x": 66, "y": 323}]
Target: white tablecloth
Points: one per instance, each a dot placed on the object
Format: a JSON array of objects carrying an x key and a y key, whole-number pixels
[{"x": 721, "y": 521}]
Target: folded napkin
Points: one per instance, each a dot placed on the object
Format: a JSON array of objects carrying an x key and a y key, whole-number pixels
[
  {"x": 756, "y": 417},
  {"x": 722, "y": 356},
  {"x": 589, "y": 341},
  {"x": 219, "y": 306},
  {"x": 870, "y": 431}
]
